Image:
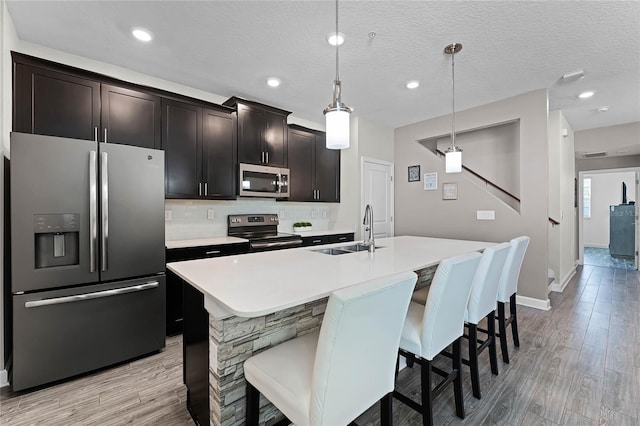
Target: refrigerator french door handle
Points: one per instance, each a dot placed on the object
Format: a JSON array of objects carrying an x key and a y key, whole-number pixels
[
  {"x": 88, "y": 296},
  {"x": 93, "y": 218},
  {"x": 104, "y": 209}
]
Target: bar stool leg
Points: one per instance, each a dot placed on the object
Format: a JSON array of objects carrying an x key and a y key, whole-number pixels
[
  {"x": 473, "y": 360},
  {"x": 493, "y": 357},
  {"x": 253, "y": 405},
  {"x": 502, "y": 329},
  {"x": 427, "y": 396},
  {"x": 386, "y": 410},
  {"x": 514, "y": 322},
  {"x": 457, "y": 382}
]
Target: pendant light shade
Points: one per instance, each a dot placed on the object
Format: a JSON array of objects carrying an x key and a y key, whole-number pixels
[
  {"x": 337, "y": 114},
  {"x": 453, "y": 161},
  {"x": 453, "y": 156}
]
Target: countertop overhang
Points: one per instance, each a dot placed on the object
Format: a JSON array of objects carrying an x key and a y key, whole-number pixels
[{"x": 256, "y": 284}]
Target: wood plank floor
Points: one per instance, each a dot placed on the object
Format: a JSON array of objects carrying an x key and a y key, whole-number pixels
[{"x": 578, "y": 364}]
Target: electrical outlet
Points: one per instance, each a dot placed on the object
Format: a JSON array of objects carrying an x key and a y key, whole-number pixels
[
  {"x": 211, "y": 214},
  {"x": 486, "y": 215},
  {"x": 168, "y": 215},
  {"x": 324, "y": 214},
  {"x": 281, "y": 214},
  {"x": 313, "y": 213}
]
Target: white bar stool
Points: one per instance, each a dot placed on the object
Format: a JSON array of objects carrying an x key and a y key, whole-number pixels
[
  {"x": 431, "y": 328},
  {"x": 507, "y": 293},
  {"x": 482, "y": 304},
  {"x": 332, "y": 376}
]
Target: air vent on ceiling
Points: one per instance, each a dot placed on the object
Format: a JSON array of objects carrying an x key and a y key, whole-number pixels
[{"x": 595, "y": 154}]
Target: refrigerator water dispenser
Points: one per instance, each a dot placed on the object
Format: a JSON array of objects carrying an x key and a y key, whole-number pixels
[{"x": 56, "y": 239}]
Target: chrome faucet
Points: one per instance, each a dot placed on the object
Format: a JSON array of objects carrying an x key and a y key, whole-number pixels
[{"x": 367, "y": 221}]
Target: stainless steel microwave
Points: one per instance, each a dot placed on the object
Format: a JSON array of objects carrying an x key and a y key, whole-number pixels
[{"x": 263, "y": 181}]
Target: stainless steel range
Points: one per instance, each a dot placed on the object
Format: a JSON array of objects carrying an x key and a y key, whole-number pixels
[{"x": 262, "y": 232}]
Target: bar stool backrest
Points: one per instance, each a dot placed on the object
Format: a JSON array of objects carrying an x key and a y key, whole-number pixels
[
  {"x": 443, "y": 319},
  {"x": 357, "y": 348},
  {"x": 484, "y": 289},
  {"x": 511, "y": 272}
]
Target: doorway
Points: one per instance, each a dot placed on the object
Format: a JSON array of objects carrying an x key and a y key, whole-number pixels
[
  {"x": 377, "y": 190},
  {"x": 608, "y": 232}
]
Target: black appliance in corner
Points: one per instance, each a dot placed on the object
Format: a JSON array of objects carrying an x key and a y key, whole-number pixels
[
  {"x": 262, "y": 232},
  {"x": 87, "y": 256}
]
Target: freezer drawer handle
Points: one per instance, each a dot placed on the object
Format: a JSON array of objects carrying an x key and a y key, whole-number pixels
[{"x": 88, "y": 296}]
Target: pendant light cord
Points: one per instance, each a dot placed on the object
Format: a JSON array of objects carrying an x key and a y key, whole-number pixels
[
  {"x": 453, "y": 99},
  {"x": 337, "y": 44}
]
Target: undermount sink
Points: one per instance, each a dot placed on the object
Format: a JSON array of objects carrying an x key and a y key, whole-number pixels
[{"x": 344, "y": 250}]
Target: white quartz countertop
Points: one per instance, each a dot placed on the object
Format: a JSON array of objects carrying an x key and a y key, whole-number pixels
[
  {"x": 200, "y": 242},
  {"x": 324, "y": 232},
  {"x": 256, "y": 284}
]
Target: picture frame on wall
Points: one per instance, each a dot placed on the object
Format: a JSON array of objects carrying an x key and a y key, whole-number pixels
[
  {"x": 414, "y": 173},
  {"x": 449, "y": 191}
]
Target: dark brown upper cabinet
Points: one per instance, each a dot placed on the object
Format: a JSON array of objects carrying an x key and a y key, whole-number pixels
[
  {"x": 200, "y": 146},
  {"x": 57, "y": 100},
  {"x": 51, "y": 103},
  {"x": 315, "y": 170},
  {"x": 130, "y": 117},
  {"x": 262, "y": 133}
]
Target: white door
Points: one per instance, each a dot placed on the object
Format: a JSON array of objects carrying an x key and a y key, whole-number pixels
[{"x": 377, "y": 190}]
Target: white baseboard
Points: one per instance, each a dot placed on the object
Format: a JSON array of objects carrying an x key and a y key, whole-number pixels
[
  {"x": 559, "y": 287},
  {"x": 4, "y": 378},
  {"x": 543, "y": 305},
  {"x": 594, "y": 245}
]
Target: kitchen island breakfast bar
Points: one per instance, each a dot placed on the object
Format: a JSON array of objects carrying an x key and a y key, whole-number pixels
[{"x": 255, "y": 301}]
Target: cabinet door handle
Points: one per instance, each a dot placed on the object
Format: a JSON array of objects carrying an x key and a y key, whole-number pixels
[
  {"x": 262, "y": 157},
  {"x": 342, "y": 239},
  {"x": 267, "y": 154},
  {"x": 212, "y": 252},
  {"x": 318, "y": 195},
  {"x": 316, "y": 241},
  {"x": 200, "y": 189},
  {"x": 206, "y": 190},
  {"x": 95, "y": 134},
  {"x": 105, "y": 135}
]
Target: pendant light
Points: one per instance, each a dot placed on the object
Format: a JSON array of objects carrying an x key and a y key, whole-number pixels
[
  {"x": 337, "y": 114},
  {"x": 453, "y": 156}
]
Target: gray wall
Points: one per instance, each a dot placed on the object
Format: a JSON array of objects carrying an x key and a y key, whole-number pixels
[
  {"x": 420, "y": 212},
  {"x": 606, "y": 163},
  {"x": 562, "y": 238}
]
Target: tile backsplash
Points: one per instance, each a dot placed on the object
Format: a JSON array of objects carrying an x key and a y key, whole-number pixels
[{"x": 187, "y": 219}]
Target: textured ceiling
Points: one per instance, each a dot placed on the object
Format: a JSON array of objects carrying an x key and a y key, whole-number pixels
[{"x": 231, "y": 47}]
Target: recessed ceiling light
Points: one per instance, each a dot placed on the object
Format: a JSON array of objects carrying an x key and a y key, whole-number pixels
[
  {"x": 333, "y": 39},
  {"x": 273, "y": 82},
  {"x": 603, "y": 109},
  {"x": 585, "y": 95},
  {"x": 142, "y": 34},
  {"x": 413, "y": 84}
]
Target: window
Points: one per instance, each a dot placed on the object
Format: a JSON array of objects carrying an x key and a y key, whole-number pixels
[{"x": 586, "y": 198}]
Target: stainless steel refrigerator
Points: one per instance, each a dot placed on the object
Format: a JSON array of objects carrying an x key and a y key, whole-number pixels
[{"x": 87, "y": 256}]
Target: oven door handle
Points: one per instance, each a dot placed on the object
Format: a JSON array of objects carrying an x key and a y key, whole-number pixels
[{"x": 261, "y": 245}]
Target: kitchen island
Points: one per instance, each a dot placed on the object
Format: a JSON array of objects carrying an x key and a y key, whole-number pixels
[{"x": 255, "y": 301}]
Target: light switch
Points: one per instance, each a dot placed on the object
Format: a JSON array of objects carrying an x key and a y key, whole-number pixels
[
  {"x": 486, "y": 215},
  {"x": 211, "y": 214},
  {"x": 281, "y": 214},
  {"x": 168, "y": 215},
  {"x": 313, "y": 213}
]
